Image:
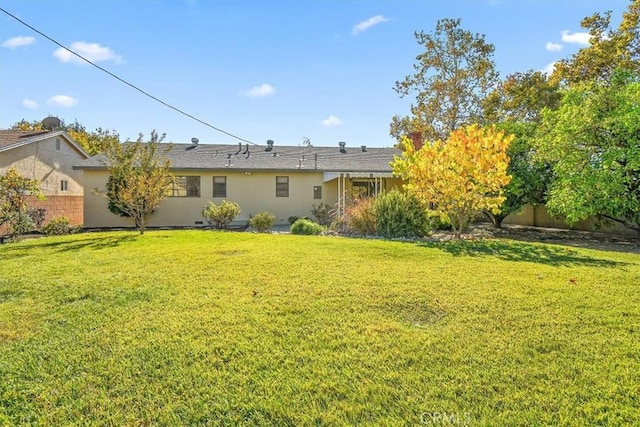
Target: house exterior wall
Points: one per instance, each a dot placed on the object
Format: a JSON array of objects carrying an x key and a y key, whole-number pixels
[
  {"x": 255, "y": 192},
  {"x": 42, "y": 161},
  {"x": 50, "y": 161}
]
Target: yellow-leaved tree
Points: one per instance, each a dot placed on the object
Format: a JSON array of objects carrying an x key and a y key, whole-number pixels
[{"x": 459, "y": 177}]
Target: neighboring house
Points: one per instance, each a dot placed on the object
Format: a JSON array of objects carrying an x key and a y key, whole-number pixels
[
  {"x": 285, "y": 181},
  {"x": 47, "y": 157}
]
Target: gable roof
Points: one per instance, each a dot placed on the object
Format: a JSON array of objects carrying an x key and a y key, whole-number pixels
[
  {"x": 10, "y": 139},
  {"x": 280, "y": 158}
]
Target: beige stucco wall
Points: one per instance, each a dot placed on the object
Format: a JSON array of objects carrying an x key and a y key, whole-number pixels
[
  {"x": 538, "y": 216},
  {"x": 255, "y": 192},
  {"x": 40, "y": 160}
]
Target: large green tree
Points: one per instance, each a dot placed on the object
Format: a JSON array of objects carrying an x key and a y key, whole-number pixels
[
  {"x": 138, "y": 179},
  {"x": 520, "y": 98},
  {"x": 609, "y": 49},
  {"x": 516, "y": 106},
  {"x": 94, "y": 142},
  {"x": 529, "y": 177},
  {"x": 452, "y": 77},
  {"x": 593, "y": 143}
]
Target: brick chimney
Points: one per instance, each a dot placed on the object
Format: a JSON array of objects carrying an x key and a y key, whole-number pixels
[{"x": 416, "y": 137}]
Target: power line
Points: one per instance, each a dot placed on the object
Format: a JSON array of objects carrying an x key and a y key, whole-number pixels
[{"x": 184, "y": 113}]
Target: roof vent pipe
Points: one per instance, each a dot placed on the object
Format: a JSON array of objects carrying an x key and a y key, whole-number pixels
[
  {"x": 239, "y": 148},
  {"x": 269, "y": 145},
  {"x": 194, "y": 141},
  {"x": 342, "y": 144}
]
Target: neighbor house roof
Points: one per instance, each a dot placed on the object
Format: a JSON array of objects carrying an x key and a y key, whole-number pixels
[
  {"x": 10, "y": 139},
  {"x": 252, "y": 157}
]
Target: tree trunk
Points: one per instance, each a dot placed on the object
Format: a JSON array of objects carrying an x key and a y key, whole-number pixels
[
  {"x": 456, "y": 233},
  {"x": 458, "y": 224},
  {"x": 496, "y": 220},
  {"x": 140, "y": 224}
]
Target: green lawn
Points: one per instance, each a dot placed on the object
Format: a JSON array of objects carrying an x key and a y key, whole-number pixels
[{"x": 197, "y": 327}]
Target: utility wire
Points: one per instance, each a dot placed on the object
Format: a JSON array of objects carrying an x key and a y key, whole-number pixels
[{"x": 184, "y": 113}]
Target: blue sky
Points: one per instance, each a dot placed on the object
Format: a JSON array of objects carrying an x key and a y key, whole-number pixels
[{"x": 262, "y": 69}]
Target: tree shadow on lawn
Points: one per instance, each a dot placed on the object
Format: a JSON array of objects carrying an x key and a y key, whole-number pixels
[
  {"x": 518, "y": 251},
  {"x": 71, "y": 245}
]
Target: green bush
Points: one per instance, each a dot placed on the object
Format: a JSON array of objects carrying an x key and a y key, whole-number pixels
[
  {"x": 360, "y": 217},
  {"x": 293, "y": 219},
  {"x": 307, "y": 227},
  {"x": 400, "y": 214},
  {"x": 323, "y": 214},
  {"x": 438, "y": 223},
  {"x": 220, "y": 216},
  {"x": 58, "y": 226},
  {"x": 262, "y": 222}
]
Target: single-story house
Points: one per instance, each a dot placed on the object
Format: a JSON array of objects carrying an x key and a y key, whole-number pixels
[
  {"x": 283, "y": 180},
  {"x": 47, "y": 157}
]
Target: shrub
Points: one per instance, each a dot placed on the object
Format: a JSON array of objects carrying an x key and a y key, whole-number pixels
[
  {"x": 323, "y": 213},
  {"x": 360, "y": 217},
  {"x": 262, "y": 222},
  {"x": 438, "y": 223},
  {"x": 220, "y": 216},
  {"x": 293, "y": 219},
  {"x": 58, "y": 226},
  {"x": 37, "y": 216},
  {"x": 307, "y": 227},
  {"x": 21, "y": 222},
  {"x": 400, "y": 214}
]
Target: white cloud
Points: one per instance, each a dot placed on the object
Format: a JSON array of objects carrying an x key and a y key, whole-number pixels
[
  {"x": 548, "y": 70},
  {"x": 91, "y": 51},
  {"x": 331, "y": 121},
  {"x": 30, "y": 104},
  {"x": 14, "y": 42},
  {"x": 553, "y": 47},
  {"x": 365, "y": 25},
  {"x": 579, "y": 38},
  {"x": 62, "y": 101},
  {"x": 264, "y": 89}
]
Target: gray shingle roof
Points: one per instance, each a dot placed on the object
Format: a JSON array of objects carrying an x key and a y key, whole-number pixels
[{"x": 230, "y": 157}]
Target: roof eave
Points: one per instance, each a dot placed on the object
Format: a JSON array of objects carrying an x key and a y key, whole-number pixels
[{"x": 44, "y": 136}]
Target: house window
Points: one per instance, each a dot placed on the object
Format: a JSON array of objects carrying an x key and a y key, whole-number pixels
[
  {"x": 64, "y": 185},
  {"x": 185, "y": 186},
  {"x": 317, "y": 192},
  {"x": 58, "y": 144},
  {"x": 282, "y": 186},
  {"x": 219, "y": 186}
]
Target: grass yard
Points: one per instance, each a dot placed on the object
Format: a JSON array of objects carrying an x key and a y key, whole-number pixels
[{"x": 202, "y": 327}]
